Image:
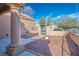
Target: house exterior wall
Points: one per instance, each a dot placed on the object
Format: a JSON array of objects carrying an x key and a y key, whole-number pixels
[
  {"x": 28, "y": 21},
  {"x": 5, "y": 25}
]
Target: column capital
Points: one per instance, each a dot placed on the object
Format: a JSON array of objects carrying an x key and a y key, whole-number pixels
[
  {"x": 7, "y": 7},
  {"x": 14, "y": 7}
]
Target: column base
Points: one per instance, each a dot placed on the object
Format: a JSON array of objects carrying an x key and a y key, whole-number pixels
[{"x": 14, "y": 50}]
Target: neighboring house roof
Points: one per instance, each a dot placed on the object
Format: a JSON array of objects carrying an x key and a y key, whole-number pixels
[{"x": 26, "y": 17}]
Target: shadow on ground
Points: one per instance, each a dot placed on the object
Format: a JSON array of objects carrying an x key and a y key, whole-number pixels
[
  {"x": 73, "y": 47},
  {"x": 39, "y": 46}
]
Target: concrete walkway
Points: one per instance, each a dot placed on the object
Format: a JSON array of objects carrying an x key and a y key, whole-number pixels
[{"x": 6, "y": 42}]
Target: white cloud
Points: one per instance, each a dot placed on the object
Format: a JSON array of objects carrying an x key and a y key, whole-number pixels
[
  {"x": 73, "y": 15},
  {"x": 59, "y": 16}
]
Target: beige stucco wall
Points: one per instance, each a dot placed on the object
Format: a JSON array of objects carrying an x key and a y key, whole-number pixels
[
  {"x": 27, "y": 20},
  {"x": 27, "y": 24},
  {"x": 49, "y": 32},
  {"x": 5, "y": 25},
  {"x": 54, "y": 33}
]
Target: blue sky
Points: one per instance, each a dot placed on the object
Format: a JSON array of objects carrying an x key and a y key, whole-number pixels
[{"x": 45, "y": 9}]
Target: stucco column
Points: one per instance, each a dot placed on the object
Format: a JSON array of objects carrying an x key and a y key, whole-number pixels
[
  {"x": 15, "y": 47},
  {"x": 15, "y": 28}
]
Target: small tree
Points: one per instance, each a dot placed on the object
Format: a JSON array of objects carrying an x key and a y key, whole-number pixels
[
  {"x": 71, "y": 23},
  {"x": 42, "y": 21},
  {"x": 42, "y": 24},
  {"x": 67, "y": 23}
]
